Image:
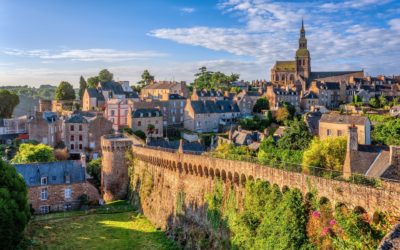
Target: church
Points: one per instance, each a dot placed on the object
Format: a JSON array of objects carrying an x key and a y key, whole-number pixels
[{"x": 298, "y": 73}]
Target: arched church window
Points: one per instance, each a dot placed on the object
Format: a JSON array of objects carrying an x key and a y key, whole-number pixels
[{"x": 283, "y": 77}]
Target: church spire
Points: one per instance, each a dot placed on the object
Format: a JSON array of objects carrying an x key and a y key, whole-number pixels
[{"x": 302, "y": 30}]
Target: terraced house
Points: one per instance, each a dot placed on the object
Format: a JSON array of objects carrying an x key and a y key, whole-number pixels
[
  {"x": 150, "y": 121},
  {"x": 210, "y": 116}
]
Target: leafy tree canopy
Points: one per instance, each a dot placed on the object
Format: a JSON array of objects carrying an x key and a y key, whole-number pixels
[
  {"x": 105, "y": 75},
  {"x": 328, "y": 153},
  {"x": 147, "y": 78},
  {"x": 8, "y": 101},
  {"x": 261, "y": 104},
  {"x": 92, "y": 81},
  {"x": 296, "y": 136},
  {"x": 213, "y": 80},
  {"x": 94, "y": 170},
  {"x": 65, "y": 91},
  {"x": 14, "y": 208},
  {"x": 387, "y": 133},
  {"x": 29, "y": 153},
  {"x": 82, "y": 87}
]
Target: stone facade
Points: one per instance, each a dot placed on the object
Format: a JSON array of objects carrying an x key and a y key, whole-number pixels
[
  {"x": 45, "y": 127},
  {"x": 141, "y": 119},
  {"x": 114, "y": 171},
  {"x": 57, "y": 199},
  {"x": 161, "y": 90}
]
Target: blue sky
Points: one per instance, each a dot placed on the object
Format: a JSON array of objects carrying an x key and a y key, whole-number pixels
[{"x": 45, "y": 42}]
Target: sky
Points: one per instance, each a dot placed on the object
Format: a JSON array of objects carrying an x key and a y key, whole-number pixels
[{"x": 46, "y": 41}]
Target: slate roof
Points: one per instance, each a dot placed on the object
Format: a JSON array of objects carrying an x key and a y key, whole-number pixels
[
  {"x": 324, "y": 74},
  {"x": 76, "y": 118},
  {"x": 114, "y": 87},
  {"x": 310, "y": 95},
  {"x": 312, "y": 119},
  {"x": 281, "y": 91},
  {"x": 49, "y": 116},
  {"x": 344, "y": 119},
  {"x": 54, "y": 171},
  {"x": 131, "y": 95},
  {"x": 188, "y": 146},
  {"x": 175, "y": 97},
  {"x": 330, "y": 86},
  {"x": 94, "y": 93},
  {"x": 162, "y": 85},
  {"x": 209, "y": 93},
  {"x": 364, "y": 157},
  {"x": 146, "y": 113},
  {"x": 220, "y": 106}
]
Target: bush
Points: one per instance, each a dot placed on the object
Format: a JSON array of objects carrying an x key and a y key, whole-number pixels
[
  {"x": 140, "y": 134},
  {"x": 94, "y": 170},
  {"x": 14, "y": 208},
  {"x": 28, "y": 153}
]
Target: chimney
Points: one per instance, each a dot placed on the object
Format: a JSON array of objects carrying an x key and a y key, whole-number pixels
[
  {"x": 84, "y": 164},
  {"x": 180, "y": 149},
  {"x": 352, "y": 148},
  {"x": 395, "y": 156}
]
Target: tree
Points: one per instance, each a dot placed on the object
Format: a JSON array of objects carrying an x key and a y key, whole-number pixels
[
  {"x": 82, "y": 87},
  {"x": 374, "y": 102},
  {"x": 387, "y": 133},
  {"x": 213, "y": 80},
  {"x": 92, "y": 81},
  {"x": 105, "y": 76},
  {"x": 94, "y": 170},
  {"x": 281, "y": 115},
  {"x": 261, "y": 104},
  {"x": 8, "y": 101},
  {"x": 296, "y": 136},
  {"x": 147, "y": 78},
  {"x": 382, "y": 101},
  {"x": 328, "y": 153},
  {"x": 140, "y": 134},
  {"x": 14, "y": 208},
  {"x": 65, "y": 91},
  {"x": 28, "y": 153}
]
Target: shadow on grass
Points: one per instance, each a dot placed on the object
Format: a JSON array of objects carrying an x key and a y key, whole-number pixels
[{"x": 98, "y": 231}]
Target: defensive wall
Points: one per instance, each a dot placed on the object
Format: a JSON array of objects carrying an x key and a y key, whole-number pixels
[{"x": 385, "y": 199}]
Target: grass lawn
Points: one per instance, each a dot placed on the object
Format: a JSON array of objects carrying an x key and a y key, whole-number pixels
[{"x": 125, "y": 230}]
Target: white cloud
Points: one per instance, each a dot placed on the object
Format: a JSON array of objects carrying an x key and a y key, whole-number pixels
[
  {"x": 86, "y": 55},
  {"x": 352, "y": 4},
  {"x": 270, "y": 33},
  {"x": 187, "y": 10}
]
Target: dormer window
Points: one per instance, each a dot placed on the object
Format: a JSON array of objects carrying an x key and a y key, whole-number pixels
[
  {"x": 67, "y": 178},
  {"x": 43, "y": 180}
]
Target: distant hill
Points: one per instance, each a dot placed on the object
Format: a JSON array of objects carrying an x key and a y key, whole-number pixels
[{"x": 29, "y": 97}]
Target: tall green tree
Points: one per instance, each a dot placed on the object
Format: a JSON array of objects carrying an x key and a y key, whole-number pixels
[
  {"x": 65, "y": 91},
  {"x": 14, "y": 208},
  {"x": 387, "y": 133},
  {"x": 328, "y": 154},
  {"x": 147, "y": 78},
  {"x": 205, "y": 79},
  {"x": 296, "y": 136},
  {"x": 29, "y": 153},
  {"x": 82, "y": 87},
  {"x": 8, "y": 101},
  {"x": 92, "y": 81},
  {"x": 105, "y": 75},
  {"x": 261, "y": 104}
]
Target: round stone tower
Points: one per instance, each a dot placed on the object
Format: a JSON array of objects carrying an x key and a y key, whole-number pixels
[{"x": 114, "y": 171}]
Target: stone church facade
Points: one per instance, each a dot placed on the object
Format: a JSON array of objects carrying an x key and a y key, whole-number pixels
[{"x": 297, "y": 73}]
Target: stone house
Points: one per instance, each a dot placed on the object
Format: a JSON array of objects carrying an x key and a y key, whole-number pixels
[
  {"x": 309, "y": 101},
  {"x": 330, "y": 94},
  {"x": 370, "y": 160},
  {"x": 334, "y": 125},
  {"x": 172, "y": 108},
  {"x": 81, "y": 132},
  {"x": 277, "y": 96},
  {"x": 45, "y": 127},
  {"x": 246, "y": 101},
  {"x": 161, "y": 90},
  {"x": 142, "y": 119},
  {"x": 56, "y": 186},
  {"x": 117, "y": 112},
  {"x": 92, "y": 99},
  {"x": 210, "y": 116},
  {"x": 96, "y": 98},
  {"x": 207, "y": 95}
]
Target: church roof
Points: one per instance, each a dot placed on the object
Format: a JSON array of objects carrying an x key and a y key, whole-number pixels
[
  {"x": 325, "y": 74},
  {"x": 285, "y": 65}
]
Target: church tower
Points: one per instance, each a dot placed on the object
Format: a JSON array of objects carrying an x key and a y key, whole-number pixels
[{"x": 303, "y": 59}]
